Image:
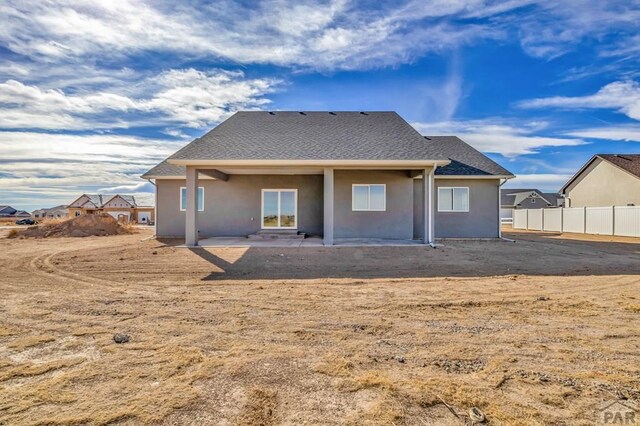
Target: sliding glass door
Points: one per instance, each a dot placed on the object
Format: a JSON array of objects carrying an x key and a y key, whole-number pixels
[{"x": 279, "y": 208}]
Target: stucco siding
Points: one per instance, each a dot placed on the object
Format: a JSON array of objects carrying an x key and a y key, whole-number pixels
[
  {"x": 481, "y": 221},
  {"x": 603, "y": 184},
  {"x": 396, "y": 222},
  {"x": 233, "y": 208}
]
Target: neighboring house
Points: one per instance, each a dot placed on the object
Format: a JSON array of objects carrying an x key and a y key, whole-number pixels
[
  {"x": 51, "y": 213},
  {"x": 125, "y": 208},
  {"x": 606, "y": 180},
  {"x": 10, "y": 212},
  {"x": 512, "y": 199},
  {"x": 335, "y": 174}
]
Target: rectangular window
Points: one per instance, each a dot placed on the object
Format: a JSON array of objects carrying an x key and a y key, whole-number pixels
[
  {"x": 183, "y": 198},
  {"x": 453, "y": 199},
  {"x": 369, "y": 197}
]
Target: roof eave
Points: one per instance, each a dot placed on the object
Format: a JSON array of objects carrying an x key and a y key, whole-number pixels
[
  {"x": 310, "y": 163},
  {"x": 475, "y": 177}
]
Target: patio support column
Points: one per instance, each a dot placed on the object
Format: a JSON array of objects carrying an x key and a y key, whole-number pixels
[
  {"x": 328, "y": 207},
  {"x": 427, "y": 205},
  {"x": 432, "y": 222},
  {"x": 426, "y": 226},
  {"x": 191, "y": 223}
]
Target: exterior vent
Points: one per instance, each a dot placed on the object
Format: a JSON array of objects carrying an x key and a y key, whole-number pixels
[
  {"x": 363, "y": 113},
  {"x": 333, "y": 113},
  {"x": 272, "y": 113},
  {"x": 427, "y": 138},
  {"x": 301, "y": 113}
]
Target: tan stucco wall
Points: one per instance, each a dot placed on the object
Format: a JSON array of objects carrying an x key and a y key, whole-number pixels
[{"x": 603, "y": 184}]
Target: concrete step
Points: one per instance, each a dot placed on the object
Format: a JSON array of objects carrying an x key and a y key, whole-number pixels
[{"x": 283, "y": 234}]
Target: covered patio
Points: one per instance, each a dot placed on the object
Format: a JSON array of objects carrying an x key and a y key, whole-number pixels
[{"x": 355, "y": 227}]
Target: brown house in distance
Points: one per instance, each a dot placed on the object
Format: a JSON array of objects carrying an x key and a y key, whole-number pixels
[{"x": 124, "y": 208}]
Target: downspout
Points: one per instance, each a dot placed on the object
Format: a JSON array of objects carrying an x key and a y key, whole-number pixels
[
  {"x": 499, "y": 208},
  {"x": 432, "y": 173}
]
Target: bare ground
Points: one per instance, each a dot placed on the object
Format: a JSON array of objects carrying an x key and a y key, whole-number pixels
[{"x": 535, "y": 332}]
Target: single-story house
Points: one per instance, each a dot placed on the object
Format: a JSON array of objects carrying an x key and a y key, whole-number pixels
[
  {"x": 10, "y": 212},
  {"x": 605, "y": 180},
  {"x": 51, "y": 213},
  {"x": 512, "y": 199},
  {"x": 340, "y": 175},
  {"x": 125, "y": 208}
]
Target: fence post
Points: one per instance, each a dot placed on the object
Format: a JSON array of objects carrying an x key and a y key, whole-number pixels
[
  {"x": 561, "y": 220},
  {"x": 542, "y": 220},
  {"x": 613, "y": 220},
  {"x": 584, "y": 216},
  {"x": 527, "y": 219}
]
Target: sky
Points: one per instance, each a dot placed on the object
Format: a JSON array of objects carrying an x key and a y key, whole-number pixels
[{"x": 93, "y": 94}]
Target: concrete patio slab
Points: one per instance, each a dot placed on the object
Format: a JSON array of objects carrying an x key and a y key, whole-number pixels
[{"x": 307, "y": 242}]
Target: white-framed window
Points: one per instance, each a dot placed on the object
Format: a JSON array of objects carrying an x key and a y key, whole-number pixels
[
  {"x": 370, "y": 197},
  {"x": 453, "y": 199},
  {"x": 279, "y": 209},
  {"x": 183, "y": 198}
]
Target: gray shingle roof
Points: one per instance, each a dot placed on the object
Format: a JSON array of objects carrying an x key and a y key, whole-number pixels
[
  {"x": 465, "y": 159},
  {"x": 261, "y": 135},
  {"x": 165, "y": 169},
  {"x": 257, "y": 135},
  {"x": 513, "y": 197}
]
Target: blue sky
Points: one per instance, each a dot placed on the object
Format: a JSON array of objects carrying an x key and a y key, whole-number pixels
[{"x": 92, "y": 94}]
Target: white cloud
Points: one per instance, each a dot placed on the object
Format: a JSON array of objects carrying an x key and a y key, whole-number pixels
[
  {"x": 327, "y": 35},
  {"x": 554, "y": 28},
  {"x": 615, "y": 133},
  {"x": 622, "y": 96},
  {"x": 498, "y": 136},
  {"x": 188, "y": 97},
  {"x": 143, "y": 187},
  {"x": 43, "y": 169}
]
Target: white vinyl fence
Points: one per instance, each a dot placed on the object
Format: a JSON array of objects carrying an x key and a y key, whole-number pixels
[{"x": 617, "y": 220}]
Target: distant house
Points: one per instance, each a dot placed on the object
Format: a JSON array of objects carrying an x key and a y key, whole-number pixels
[
  {"x": 513, "y": 199},
  {"x": 10, "y": 212},
  {"x": 56, "y": 212},
  {"x": 7, "y": 211},
  {"x": 605, "y": 180},
  {"x": 125, "y": 208}
]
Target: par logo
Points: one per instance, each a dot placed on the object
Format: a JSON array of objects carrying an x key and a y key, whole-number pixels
[{"x": 619, "y": 412}]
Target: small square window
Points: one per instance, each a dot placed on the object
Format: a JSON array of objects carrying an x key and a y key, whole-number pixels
[{"x": 453, "y": 199}]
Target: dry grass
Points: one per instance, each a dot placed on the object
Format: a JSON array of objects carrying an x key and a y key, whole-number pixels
[
  {"x": 259, "y": 410},
  {"x": 217, "y": 337},
  {"x": 22, "y": 343}
]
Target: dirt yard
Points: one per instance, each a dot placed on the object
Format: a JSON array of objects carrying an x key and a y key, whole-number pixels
[{"x": 540, "y": 331}]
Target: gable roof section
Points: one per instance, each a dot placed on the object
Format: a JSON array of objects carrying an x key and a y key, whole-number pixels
[
  {"x": 310, "y": 136},
  {"x": 465, "y": 159},
  {"x": 126, "y": 198},
  {"x": 259, "y": 135},
  {"x": 627, "y": 162},
  {"x": 513, "y": 197},
  {"x": 7, "y": 209}
]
